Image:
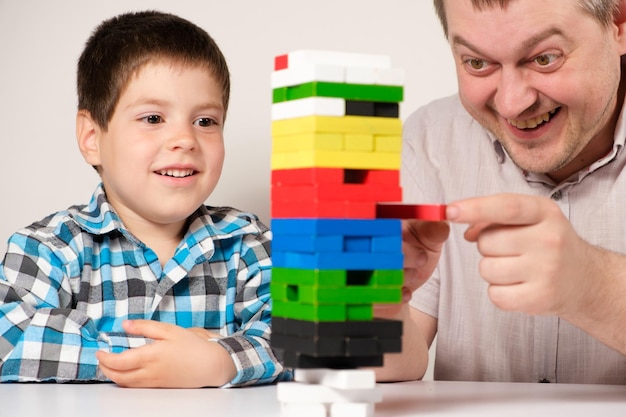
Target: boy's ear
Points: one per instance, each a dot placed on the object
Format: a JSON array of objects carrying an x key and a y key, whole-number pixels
[
  {"x": 620, "y": 22},
  {"x": 88, "y": 137}
]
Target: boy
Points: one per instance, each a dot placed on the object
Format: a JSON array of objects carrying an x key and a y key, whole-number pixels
[{"x": 126, "y": 288}]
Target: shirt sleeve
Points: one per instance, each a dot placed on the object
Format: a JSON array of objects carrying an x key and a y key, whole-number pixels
[
  {"x": 43, "y": 336},
  {"x": 249, "y": 346}
]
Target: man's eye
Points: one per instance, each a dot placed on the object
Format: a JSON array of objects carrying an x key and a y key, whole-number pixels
[
  {"x": 477, "y": 64},
  {"x": 153, "y": 119},
  {"x": 205, "y": 122},
  {"x": 545, "y": 59}
]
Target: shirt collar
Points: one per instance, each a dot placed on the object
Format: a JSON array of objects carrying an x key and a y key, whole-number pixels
[{"x": 100, "y": 218}]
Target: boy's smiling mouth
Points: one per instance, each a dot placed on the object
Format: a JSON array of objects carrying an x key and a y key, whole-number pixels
[{"x": 176, "y": 173}]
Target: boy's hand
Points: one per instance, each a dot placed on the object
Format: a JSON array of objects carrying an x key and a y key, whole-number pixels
[
  {"x": 178, "y": 358},
  {"x": 422, "y": 242},
  {"x": 204, "y": 333}
]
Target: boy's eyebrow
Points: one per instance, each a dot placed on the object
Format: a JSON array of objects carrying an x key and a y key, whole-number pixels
[
  {"x": 527, "y": 44},
  {"x": 146, "y": 100},
  {"x": 141, "y": 101}
]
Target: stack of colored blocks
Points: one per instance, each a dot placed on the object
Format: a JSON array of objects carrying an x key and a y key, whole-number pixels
[{"x": 336, "y": 142}]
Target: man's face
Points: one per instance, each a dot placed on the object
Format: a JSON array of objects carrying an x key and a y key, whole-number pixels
[{"x": 541, "y": 76}]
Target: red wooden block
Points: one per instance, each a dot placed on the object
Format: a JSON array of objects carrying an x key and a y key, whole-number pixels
[
  {"x": 336, "y": 176},
  {"x": 336, "y": 192},
  {"x": 281, "y": 62},
  {"x": 324, "y": 210},
  {"x": 307, "y": 176},
  {"x": 431, "y": 212},
  {"x": 384, "y": 176}
]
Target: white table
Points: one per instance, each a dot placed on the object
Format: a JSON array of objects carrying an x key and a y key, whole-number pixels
[{"x": 419, "y": 398}]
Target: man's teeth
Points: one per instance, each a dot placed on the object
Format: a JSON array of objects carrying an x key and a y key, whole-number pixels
[
  {"x": 534, "y": 122},
  {"x": 178, "y": 173}
]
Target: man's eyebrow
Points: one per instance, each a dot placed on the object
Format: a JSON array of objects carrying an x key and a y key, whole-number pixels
[{"x": 527, "y": 44}]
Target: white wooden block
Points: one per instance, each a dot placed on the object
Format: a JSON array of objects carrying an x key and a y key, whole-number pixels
[
  {"x": 306, "y": 74},
  {"x": 360, "y": 75},
  {"x": 309, "y": 106},
  {"x": 352, "y": 410},
  {"x": 338, "y": 378},
  {"x": 390, "y": 76},
  {"x": 299, "y": 392},
  {"x": 306, "y": 57},
  {"x": 303, "y": 410}
]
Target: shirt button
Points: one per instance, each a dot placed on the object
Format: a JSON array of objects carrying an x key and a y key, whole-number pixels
[{"x": 556, "y": 196}]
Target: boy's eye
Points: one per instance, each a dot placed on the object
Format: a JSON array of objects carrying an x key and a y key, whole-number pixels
[
  {"x": 153, "y": 119},
  {"x": 204, "y": 122}
]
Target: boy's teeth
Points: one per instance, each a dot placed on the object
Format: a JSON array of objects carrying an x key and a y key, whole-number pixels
[{"x": 178, "y": 173}]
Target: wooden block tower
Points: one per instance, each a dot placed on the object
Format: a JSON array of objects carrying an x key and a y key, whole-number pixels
[{"x": 336, "y": 142}]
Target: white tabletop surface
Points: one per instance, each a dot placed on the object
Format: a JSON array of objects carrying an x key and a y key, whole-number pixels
[{"x": 419, "y": 398}]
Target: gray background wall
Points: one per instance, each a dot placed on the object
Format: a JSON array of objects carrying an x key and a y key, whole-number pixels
[{"x": 41, "y": 170}]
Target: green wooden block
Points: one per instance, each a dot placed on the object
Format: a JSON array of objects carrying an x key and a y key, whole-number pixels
[
  {"x": 322, "y": 312},
  {"x": 388, "y": 277},
  {"x": 279, "y": 95},
  {"x": 345, "y": 295},
  {"x": 326, "y": 277},
  {"x": 309, "y": 312},
  {"x": 338, "y": 278},
  {"x": 361, "y": 92},
  {"x": 359, "y": 312},
  {"x": 310, "y": 294}
]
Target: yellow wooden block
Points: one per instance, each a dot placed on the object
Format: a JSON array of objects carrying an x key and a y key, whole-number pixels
[
  {"x": 308, "y": 141},
  {"x": 335, "y": 159},
  {"x": 333, "y": 124},
  {"x": 359, "y": 142},
  {"x": 391, "y": 143}
]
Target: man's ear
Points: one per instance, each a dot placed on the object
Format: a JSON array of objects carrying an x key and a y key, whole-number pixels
[{"x": 88, "y": 137}]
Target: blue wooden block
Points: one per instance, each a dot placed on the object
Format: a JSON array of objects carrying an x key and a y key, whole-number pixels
[
  {"x": 307, "y": 243},
  {"x": 346, "y": 227},
  {"x": 357, "y": 244},
  {"x": 332, "y": 260},
  {"x": 336, "y": 243},
  {"x": 390, "y": 244}
]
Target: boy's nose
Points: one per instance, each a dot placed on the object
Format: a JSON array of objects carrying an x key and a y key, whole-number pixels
[{"x": 183, "y": 138}]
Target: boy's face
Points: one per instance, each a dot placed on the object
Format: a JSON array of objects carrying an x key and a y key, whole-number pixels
[
  {"x": 542, "y": 76},
  {"x": 163, "y": 152}
]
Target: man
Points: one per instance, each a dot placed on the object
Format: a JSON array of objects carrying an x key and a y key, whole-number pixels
[{"x": 530, "y": 155}]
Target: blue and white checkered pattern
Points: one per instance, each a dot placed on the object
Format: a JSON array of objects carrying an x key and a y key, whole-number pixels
[{"x": 68, "y": 281}]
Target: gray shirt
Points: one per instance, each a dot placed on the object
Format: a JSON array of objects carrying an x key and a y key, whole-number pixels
[{"x": 446, "y": 156}]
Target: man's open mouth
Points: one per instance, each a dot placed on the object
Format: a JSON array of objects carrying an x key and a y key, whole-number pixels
[{"x": 535, "y": 121}]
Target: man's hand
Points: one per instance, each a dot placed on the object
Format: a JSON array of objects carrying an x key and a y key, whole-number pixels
[
  {"x": 533, "y": 259},
  {"x": 422, "y": 242},
  {"x": 178, "y": 358}
]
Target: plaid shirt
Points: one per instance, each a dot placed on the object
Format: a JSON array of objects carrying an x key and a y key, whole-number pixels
[{"x": 68, "y": 282}]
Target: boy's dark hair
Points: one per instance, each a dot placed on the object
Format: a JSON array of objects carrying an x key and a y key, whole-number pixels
[{"x": 122, "y": 45}]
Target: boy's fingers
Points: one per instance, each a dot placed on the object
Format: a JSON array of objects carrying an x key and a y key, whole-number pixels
[
  {"x": 149, "y": 328},
  {"x": 124, "y": 361}
]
